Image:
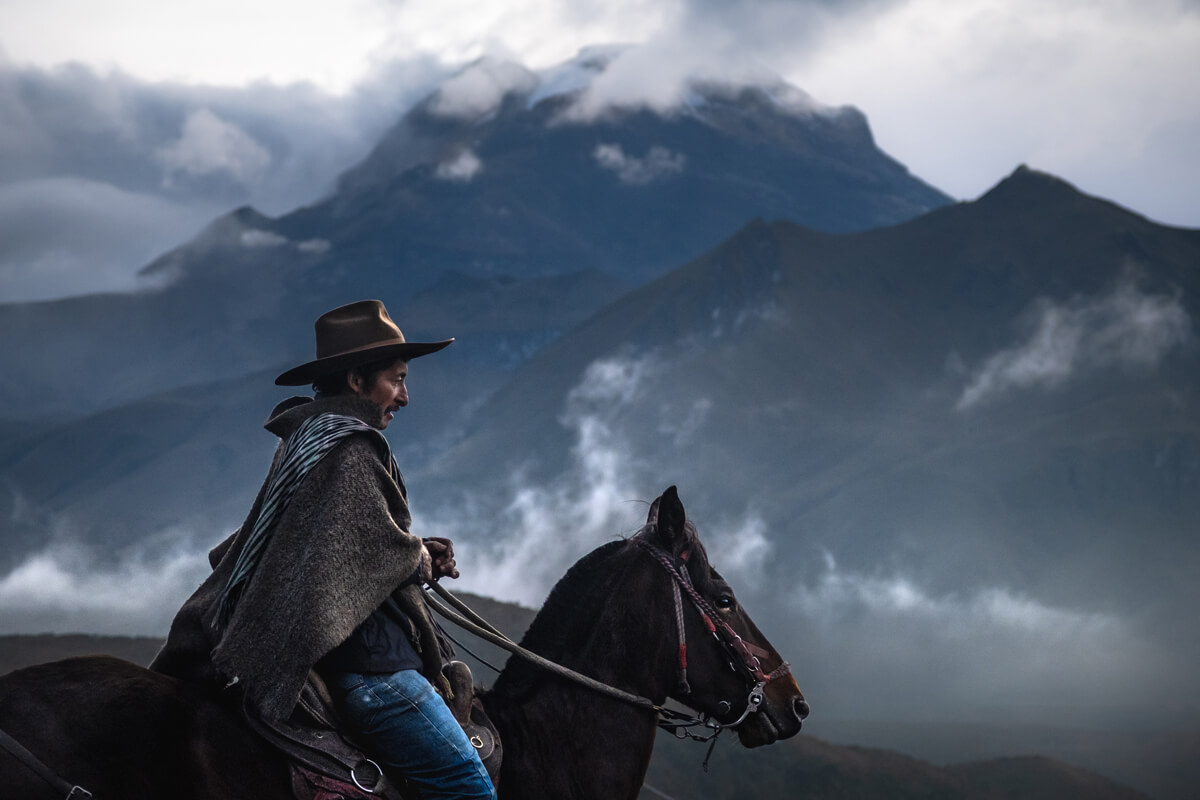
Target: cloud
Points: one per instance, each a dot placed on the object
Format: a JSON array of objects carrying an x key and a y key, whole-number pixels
[
  {"x": 735, "y": 44},
  {"x": 526, "y": 539},
  {"x": 67, "y": 236},
  {"x": 554, "y": 525},
  {"x": 479, "y": 89},
  {"x": 462, "y": 168},
  {"x": 1086, "y": 89},
  {"x": 682, "y": 427},
  {"x": 272, "y": 40},
  {"x": 1078, "y": 88},
  {"x": 84, "y": 153},
  {"x": 886, "y": 639},
  {"x": 255, "y": 237},
  {"x": 839, "y": 595},
  {"x": 743, "y": 551},
  {"x": 259, "y": 238},
  {"x": 657, "y": 164},
  {"x": 1034, "y": 83},
  {"x": 866, "y": 645},
  {"x": 314, "y": 246},
  {"x": 209, "y": 144},
  {"x": 68, "y": 588},
  {"x": 1125, "y": 328}
]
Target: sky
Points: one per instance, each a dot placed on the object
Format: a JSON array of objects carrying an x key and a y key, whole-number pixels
[{"x": 126, "y": 127}]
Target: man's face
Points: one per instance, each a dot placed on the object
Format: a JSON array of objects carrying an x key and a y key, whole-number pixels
[{"x": 389, "y": 392}]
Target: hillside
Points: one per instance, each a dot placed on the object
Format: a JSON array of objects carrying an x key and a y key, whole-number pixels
[{"x": 804, "y": 766}]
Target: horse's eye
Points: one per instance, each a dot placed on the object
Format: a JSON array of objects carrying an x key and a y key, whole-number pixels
[{"x": 724, "y": 601}]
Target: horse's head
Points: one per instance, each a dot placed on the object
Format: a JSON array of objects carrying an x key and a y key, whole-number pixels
[{"x": 733, "y": 674}]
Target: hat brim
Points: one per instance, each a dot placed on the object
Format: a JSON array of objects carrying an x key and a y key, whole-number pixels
[{"x": 317, "y": 368}]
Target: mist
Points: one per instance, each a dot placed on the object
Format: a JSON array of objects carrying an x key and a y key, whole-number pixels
[
  {"x": 1126, "y": 328},
  {"x": 865, "y": 642},
  {"x": 69, "y": 587}
]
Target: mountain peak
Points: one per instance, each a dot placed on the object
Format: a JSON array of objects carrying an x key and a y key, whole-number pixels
[
  {"x": 601, "y": 79},
  {"x": 1027, "y": 187}
]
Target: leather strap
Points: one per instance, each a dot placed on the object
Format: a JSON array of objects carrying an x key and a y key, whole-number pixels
[{"x": 61, "y": 787}]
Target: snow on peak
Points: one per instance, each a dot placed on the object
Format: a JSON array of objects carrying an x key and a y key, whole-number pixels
[
  {"x": 606, "y": 77},
  {"x": 602, "y": 78},
  {"x": 576, "y": 74}
]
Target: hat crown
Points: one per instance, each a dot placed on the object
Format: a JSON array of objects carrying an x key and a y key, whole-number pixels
[
  {"x": 356, "y": 326},
  {"x": 353, "y": 335}
]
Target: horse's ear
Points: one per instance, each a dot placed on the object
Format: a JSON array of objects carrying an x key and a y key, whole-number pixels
[
  {"x": 652, "y": 517},
  {"x": 668, "y": 517}
]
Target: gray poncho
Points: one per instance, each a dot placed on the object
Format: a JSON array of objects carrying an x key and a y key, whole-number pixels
[{"x": 339, "y": 548}]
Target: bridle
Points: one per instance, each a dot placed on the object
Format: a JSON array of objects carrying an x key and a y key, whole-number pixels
[{"x": 744, "y": 657}]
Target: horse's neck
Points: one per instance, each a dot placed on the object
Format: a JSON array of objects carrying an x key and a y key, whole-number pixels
[
  {"x": 564, "y": 740},
  {"x": 568, "y": 742}
]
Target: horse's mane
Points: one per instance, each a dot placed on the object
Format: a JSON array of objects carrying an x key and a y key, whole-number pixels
[
  {"x": 565, "y": 620},
  {"x": 577, "y": 601}
]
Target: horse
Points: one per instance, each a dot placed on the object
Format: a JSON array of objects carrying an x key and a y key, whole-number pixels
[{"x": 126, "y": 733}]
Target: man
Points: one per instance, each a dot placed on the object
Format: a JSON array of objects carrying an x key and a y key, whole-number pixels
[{"x": 325, "y": 574}]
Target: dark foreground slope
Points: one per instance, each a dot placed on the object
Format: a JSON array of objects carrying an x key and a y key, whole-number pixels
[{"x": 804, "y": 767}]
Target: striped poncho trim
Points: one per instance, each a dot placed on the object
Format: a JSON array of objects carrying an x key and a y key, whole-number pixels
[{"x": 311, "y": 442}]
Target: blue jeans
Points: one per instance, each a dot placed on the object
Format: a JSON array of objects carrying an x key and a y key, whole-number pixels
[{"x": 401, "y": 719}]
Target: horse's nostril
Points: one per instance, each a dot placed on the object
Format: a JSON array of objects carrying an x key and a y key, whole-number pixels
[{"x": 800, "y": 708}]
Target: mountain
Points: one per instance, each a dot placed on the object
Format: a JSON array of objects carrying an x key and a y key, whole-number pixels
[
  {"x": 513, "y": 180},
  {"x": 490, "y": 177},
  {"x": 974, "y": 433},
  {"x": 803, "y": 329},
  {"x": 131, "y": 413}
]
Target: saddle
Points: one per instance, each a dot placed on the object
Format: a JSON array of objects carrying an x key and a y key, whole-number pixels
[{"x": 327, "y": 764}]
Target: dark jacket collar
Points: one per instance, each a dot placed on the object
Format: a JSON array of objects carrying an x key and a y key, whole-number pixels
[{"x": 288, "y": 415}]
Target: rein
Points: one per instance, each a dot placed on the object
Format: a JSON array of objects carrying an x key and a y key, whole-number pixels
[
  {"x": 744, "y": 655},
  {"x": 37, "y": 767}
]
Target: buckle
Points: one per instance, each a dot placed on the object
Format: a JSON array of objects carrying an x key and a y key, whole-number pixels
[{"x": 374, "y": 784}]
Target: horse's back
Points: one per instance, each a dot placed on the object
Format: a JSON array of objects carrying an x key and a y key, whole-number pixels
[{"x": 122, "y": 731}]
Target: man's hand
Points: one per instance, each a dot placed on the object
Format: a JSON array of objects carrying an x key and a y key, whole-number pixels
[{"x": 442, "y": 552}]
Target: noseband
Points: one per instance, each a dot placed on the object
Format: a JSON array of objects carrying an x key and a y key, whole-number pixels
[{"x": 744, "y": 657}]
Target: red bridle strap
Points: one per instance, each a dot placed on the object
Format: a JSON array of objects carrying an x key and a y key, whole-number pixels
[{"x": 748, "y": 652}]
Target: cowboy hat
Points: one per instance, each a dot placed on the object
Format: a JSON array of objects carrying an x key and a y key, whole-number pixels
[{"x": 353, "y": 335}]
